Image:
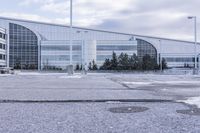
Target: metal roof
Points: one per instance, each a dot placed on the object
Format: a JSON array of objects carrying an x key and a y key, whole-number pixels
[{"x": 62, "y": 25}]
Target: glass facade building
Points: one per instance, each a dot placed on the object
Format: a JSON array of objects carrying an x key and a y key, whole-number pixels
[{"x": 37, "y": 45}]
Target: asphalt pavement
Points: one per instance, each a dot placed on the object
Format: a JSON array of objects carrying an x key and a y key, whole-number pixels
[{"x": 107, "y": 103}]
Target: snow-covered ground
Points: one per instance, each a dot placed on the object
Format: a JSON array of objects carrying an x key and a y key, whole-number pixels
[
  {"x": 75, "y": 76},
  {"x": 150, "y": 83},
  {"x": 193, "y": 101}
]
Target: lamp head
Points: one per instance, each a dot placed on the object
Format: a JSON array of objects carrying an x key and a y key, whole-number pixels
[{"x": 191, "y": 17}]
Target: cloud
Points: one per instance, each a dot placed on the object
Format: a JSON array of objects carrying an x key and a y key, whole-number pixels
[
  {"x": 32, "y": 17},
  {"x": 24, "y": 16},
  {"x": 164, "y": 18},
  {"x": 52, "y": 7},
  {"x": 94, "y": 12},
  {"x": 29, "y": 2}
]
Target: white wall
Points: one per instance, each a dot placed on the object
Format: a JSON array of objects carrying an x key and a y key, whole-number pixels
[{"x": 2, "y": 51}]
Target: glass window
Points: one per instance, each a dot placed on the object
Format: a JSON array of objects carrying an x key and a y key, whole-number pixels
[
  {"x": 2, "y": 57},
  {"x": 55, "y": 48},
  {"x": 103, "y": 57},
  {"x": 146, "y": 48},
  {"x": 76, "y": 47},
  {"x": 116, "y": 48},
  {"x": 23, "y": 47}
]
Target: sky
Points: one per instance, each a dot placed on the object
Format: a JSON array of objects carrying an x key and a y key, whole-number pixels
[{"x": 159, "y": 18}]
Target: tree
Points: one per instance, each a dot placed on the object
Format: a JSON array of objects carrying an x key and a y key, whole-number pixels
[
  {"x": 90, "y": 66},
  {"x": 94, "y": 65},
  {"x": 149, "y": 63},
  {"x": 134, "y": 62},
  {"x": 32, "y": 66},
  {"x": 114, "y": 61},
  {"x": 81, "y": 67},
  {"x": 26, "y": 66},
  {"x": 164, "y": 64},
  {"x": 123, "y": 62},
  {"x": 17, "y": 65},
  {"x": 106, "y": 65},
  {"x": 77, "y": 67}
]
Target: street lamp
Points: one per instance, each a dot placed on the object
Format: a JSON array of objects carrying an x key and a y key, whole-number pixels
[
  {"x": 195, "y": 39},
  {"x": 70, "y": 39},
  {"x": 161, "y": 67},
  {"x": 83, "y": 56},
  {"x": 70, "y": 68}
]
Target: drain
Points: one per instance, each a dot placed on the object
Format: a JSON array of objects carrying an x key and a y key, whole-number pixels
[
  {"x": 194, "y": 111},
  {"x": 132, "y": 109}
]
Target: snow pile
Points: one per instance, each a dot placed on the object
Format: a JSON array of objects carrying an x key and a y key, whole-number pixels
[
  {"x": 161, "y": 82},
  {"x": 29, "y": 73},
  {"x": 4, "y": 75},
  {"x": 193, "y": 101},
  {"x": 71, "y": 77},
  {"x": 138, "y": 83}
]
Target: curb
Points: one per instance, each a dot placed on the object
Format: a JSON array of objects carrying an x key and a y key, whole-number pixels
[{"x": 89, "y": 101}]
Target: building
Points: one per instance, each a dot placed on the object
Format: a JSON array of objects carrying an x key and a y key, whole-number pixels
[
  {"x": 37, "y": 45},
  {"x": 2, "y": 47}
]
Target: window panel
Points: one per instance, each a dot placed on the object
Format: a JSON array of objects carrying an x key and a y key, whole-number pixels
[{"x": 23, "y": 47}]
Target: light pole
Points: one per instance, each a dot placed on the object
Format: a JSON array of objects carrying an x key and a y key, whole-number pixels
[
  {"x": 70, "y": 39},
  {"x": 195, "y": 40},
  {"x": 83, "y": 56},
  {"x": 160, "y": 43}
]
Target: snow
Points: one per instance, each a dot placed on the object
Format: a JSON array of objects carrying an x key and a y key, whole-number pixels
[
  {"x": 193, "y": 101},
  {"x": 62, "y": 75},
  {"x": 138, "y": 83},
  {"x": 38, "y": 74},
  {"x": 4, "y": 75},
  {"x": 71, "y": 77},
  {"x": 161, "y": 82}
]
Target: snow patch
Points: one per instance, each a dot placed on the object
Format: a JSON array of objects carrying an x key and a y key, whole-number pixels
[
  {"x": 71, "y": 77},
  {"x": 4, "y": 75},
  {"x": 29, "y": 73},
  {"x": 177, "y": 82},
  {"x": 138, "y": 83},
  {"x": 193, "y": 101},
  {"x": 162, "y": 82}
]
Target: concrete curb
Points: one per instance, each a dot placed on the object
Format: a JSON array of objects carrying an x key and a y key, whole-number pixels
[{"x": 89, "y": 101}]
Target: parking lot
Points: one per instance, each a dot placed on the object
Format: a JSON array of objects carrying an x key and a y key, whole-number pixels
[{"x": 99, "y": 102}]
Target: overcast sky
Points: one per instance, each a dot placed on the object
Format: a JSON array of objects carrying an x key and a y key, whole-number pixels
[{"x": 162, "y": 18}]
